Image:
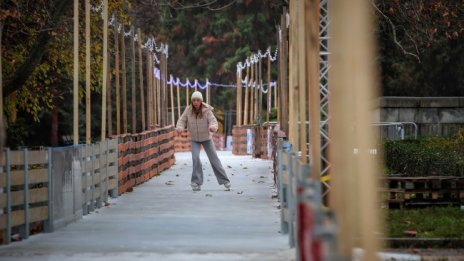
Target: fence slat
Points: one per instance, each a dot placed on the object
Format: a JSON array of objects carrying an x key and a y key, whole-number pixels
[
  {"x": 17, "y": 217},
  {"x": 35, "y": 176}
]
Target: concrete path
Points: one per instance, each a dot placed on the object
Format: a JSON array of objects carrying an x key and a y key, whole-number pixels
[{"x": 163, "y": 219}]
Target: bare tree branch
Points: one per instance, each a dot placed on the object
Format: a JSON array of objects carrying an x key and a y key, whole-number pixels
[{"x": 395, "y": 39}]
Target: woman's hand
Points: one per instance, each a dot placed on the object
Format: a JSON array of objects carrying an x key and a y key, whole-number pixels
[{"x": 212, "y": 129}]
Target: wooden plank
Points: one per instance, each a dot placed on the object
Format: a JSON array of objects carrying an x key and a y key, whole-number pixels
[
  {"x": 34, "y": 157},
  {"x": 112, "y": 157},
  {"x": 112, "y": 171},
  {"x": 17, "y": 217},
  {"x": 96, "y": 178},
  {"x": 17, "y": 197},
  {"x": 112, "y": 183},
  {"x": 286, "y": 214},
  {"x": 96, "y": 194},
  {"x": 17, "y": 177}
]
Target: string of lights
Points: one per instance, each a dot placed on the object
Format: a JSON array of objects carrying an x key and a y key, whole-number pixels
[
  {"x": 162, "y": 48},
  {"x": 256, "y": 57}
]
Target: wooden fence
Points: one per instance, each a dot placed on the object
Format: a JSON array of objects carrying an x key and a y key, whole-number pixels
[
  {"x": 43, "y": 189},
  {"x": 99, "y": 173},
  {"x": 26, "y": 189}
]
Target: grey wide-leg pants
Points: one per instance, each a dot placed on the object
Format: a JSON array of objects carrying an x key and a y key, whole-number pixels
[{"x": 197, "y": 173}]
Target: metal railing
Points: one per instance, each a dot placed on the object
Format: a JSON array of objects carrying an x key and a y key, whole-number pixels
[
  {"x": 311, "y": 229},
  {"x": 396, "y": 130}
]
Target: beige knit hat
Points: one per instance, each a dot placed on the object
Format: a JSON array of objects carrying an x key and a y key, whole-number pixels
[{"x": 197, "y": 95}]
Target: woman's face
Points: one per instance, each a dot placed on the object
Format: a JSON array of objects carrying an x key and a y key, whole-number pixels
[{"x": 196, "y": 103}]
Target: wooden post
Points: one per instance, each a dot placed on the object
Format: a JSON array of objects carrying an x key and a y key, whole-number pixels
[
  {"x": 134, "y": 93},
  {"x": 293, "y": 79},
  {"x": 155, "y": 95},
  {"x": 158, "y": 97},
  {"x": 109, "y": 100},
  {"x": 284, "y": 90},
  {"x": 87, "y": 73},
  {"x": 116, "y": 64},
  {"x": 124, "y": 81},
  {"x": 312, "y": 18},
  {"x": 259, "y": 103},
  {"x": 178, "y": 98},
  {"x": 173, "y": 120},
  {"x": 142, "y": 86},
  {"x": 247, "y": 81},
  {"x": 1, "y": 78},
  {"x": 105, "y": 69},
  {"x": 208, "y": 92},
  {"x": 187, "y": 97},
  {"x": 165, "y": 88},
  {"x": 269, "y": 90},
  {"x": 238, "y": 110},
  {"x": 252, "y": 93},
  {"x": 353, "y": 83},
  {"x": 301, "y": 56},
  {"x": 150, "y": 90},
  {"x": 75, "y": 75}
]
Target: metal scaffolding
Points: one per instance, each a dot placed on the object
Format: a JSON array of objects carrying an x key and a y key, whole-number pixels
[{"x": 324, "y": 91}]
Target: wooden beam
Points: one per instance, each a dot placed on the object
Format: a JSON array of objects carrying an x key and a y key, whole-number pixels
[
  {"x": 247, "y": 83},
  {"x": 353, "y": 83},
  {"x": 117, "y": 74},
  {"x": 124, "y": 81},
  {"x": 142, "y": 86},
  {"x": 173, "y": 120},
  {"x": 293, "y": 78},
  {"x": 312, "y": 21},
  {"x": 150, "y": 89},
  {"x": 105, "y": 69},
  {"x": 75, "y": 75},
  {"x": 187, "y": 96},
  {"x": 302, "y": 84},
  {"x": 133, "y": 83},
  {"x": 87, "y": 73},
  {"x": 252, "y": 94},
  {"x": 178, "y": 99},
  {"x": 238, "y": 98},
  {"x": 269, "y": 90},
  {"x": 284, "y": 110}
]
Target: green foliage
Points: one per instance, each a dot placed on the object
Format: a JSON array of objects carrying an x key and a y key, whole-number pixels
[
  {"x": 428, "y": 156},
  {"x": 428, "y": 222}
]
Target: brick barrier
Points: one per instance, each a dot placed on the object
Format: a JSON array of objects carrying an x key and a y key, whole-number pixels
[
  {"x": 182, "y": 141},
  {"x": 261, "y": 146},
  {"x": 144, "y": 155}
]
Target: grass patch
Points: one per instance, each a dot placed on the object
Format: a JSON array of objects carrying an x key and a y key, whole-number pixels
[{"x": 433, "y": 222}]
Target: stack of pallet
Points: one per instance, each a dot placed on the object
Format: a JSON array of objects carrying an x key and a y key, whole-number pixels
[{"x": 399, "y": 192}]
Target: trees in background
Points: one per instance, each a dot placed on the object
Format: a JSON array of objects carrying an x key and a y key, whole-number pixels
[
  {"x": 421, "y": 51},
  {"x": 421, "y": 46}
]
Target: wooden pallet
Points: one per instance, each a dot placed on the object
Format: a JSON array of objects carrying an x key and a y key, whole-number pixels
[{"x": 399, "y": 192}]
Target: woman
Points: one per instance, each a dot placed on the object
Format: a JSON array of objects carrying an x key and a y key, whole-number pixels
[{"x": 200, "y": 122}]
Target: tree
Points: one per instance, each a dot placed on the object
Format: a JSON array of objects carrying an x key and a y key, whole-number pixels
[{"x": 421, "y": 47}]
